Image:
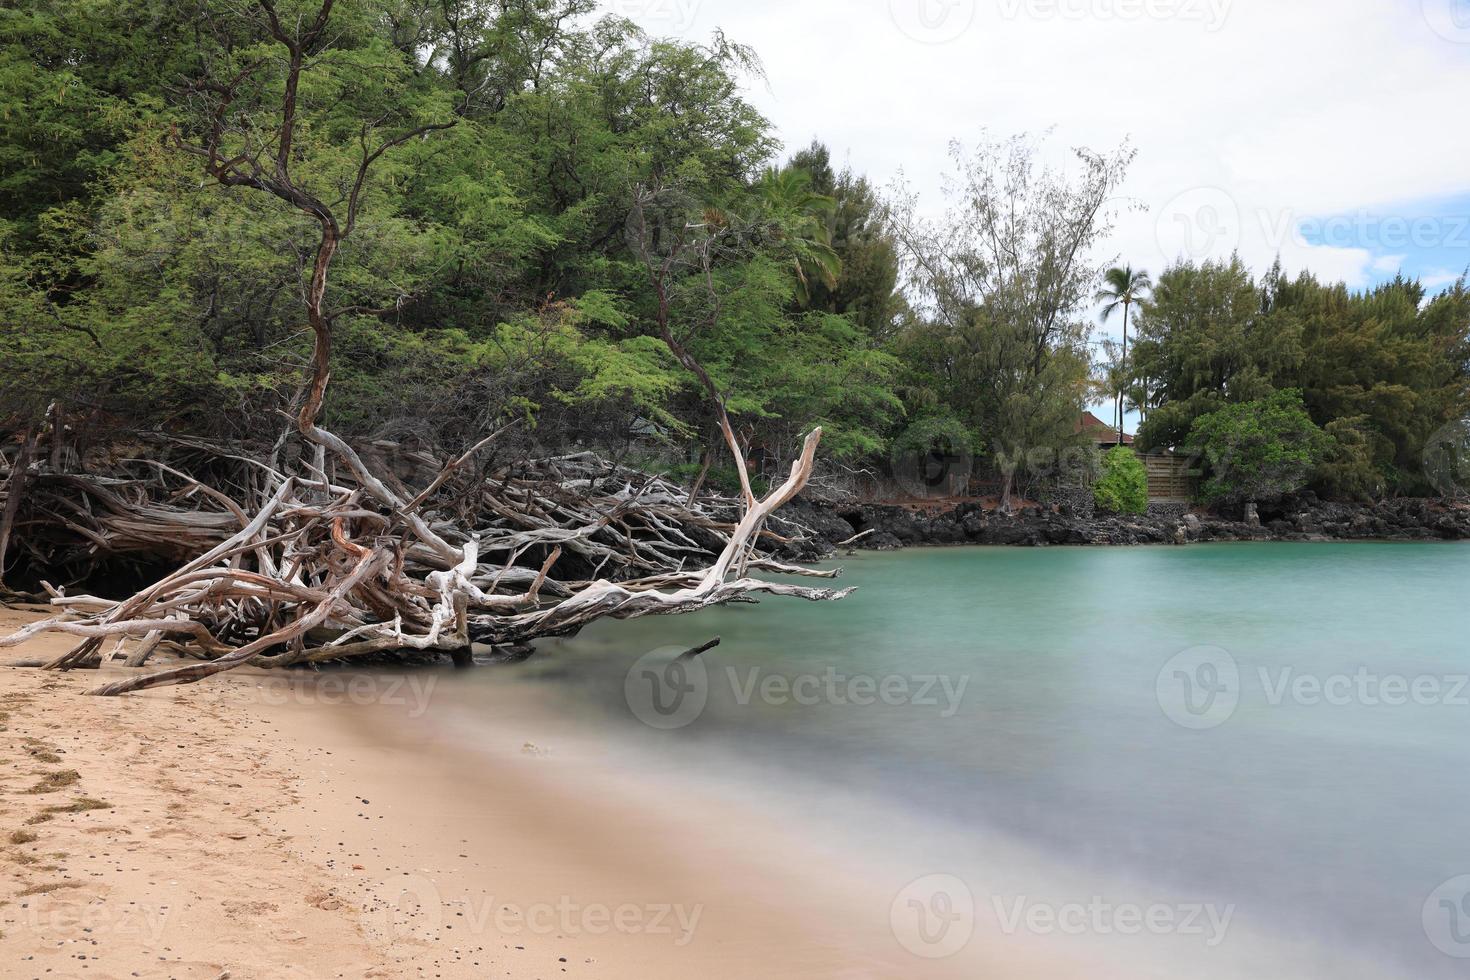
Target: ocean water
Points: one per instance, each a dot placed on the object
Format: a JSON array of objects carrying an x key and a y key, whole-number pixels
[{"x": 1262, "y": 746}]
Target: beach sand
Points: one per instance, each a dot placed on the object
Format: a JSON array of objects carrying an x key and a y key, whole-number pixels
[{"x": 338, "y": 825}]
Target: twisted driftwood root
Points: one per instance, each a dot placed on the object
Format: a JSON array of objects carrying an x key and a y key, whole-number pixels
[{"x": 338, "y": 566}]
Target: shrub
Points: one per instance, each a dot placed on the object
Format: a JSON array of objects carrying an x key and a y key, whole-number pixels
[
  {"x": 1123, "y": 486},
  {"x": 1258, "y": 450}
]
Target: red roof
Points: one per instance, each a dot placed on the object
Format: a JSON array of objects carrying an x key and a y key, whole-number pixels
[{"x": 1103, "y": 433}]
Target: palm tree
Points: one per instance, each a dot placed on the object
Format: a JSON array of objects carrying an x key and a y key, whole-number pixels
[
  {"x": 806, "y": 216},
  {"x": 1122, "y": 287}
]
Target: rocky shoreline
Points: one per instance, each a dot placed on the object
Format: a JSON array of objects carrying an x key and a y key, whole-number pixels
[{"x": 886, "y": 527}]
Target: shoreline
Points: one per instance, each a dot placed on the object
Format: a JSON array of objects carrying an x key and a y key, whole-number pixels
[
  {"x": 887, "y": 527},
  {"x": 321, "y": 824}
]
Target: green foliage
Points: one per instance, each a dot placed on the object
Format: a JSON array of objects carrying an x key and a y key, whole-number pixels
[
  {"x": 1202, "y": 343},
  {"x": 488, "y": 275},
  {"x": 1020, "y": 404},
  {"x": 1260, "y": 449},
  {"x": 1123, "y": 486},
  {"x": 1005, "y": 278},
  {"x": 492, "y": 273},
  {"x": 1379, "y": 371},
  {"x": 722, "y": 479},
  {"x": 867, "y": 290}
]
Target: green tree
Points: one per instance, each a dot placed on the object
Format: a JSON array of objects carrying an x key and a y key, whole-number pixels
[
  {"x": 801, "y": 217},
  {"x": 1382, "y": 370},
  {"x": 1003, "y": 279},
  {"x": 1206, "y": 340},
  {"x": 1123, "y": 486},
  {"x": 1258, "y": 450},
  {"x": 867, "y": 290}
]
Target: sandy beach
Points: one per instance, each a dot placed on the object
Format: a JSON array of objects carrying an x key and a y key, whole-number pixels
[{"x": 321, "y": 825}]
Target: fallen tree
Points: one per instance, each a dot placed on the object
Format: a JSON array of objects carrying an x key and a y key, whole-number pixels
[
  {"x": 313, "y": 554},
  {"x": 330, "y": 567}
]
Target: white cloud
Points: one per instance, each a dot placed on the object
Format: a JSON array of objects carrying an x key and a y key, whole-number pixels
[
  {"x": 1433, "y": 281},
  {"x": 1286, "y": 110}
]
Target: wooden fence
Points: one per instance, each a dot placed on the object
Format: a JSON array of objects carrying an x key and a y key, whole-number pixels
[{"x": 1169, "y": 477}]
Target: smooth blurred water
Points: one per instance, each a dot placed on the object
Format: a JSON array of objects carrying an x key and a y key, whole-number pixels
[{"x": 1327, "y": 825}]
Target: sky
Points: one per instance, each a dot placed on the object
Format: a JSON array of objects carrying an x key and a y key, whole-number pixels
[{"x": 1330, "y": 133}]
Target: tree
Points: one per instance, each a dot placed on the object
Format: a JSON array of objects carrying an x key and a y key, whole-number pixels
[
  {"x": 1205, "y": 342},
  {"x": 77, "y": 79},
  {"x": 302, "y": 117},
  {"x": 867, "y": 290},
  {"x": 801, "y": 217},
  {"x": 1383, "y": 370},
  {"x": 1379, "y": 371},
  {"x": 1258, "y": 450},
  {"x": 1003, "y": 279},
  {"x": 1122, "y": 287},
  {"x": 1123, "y": 486}
]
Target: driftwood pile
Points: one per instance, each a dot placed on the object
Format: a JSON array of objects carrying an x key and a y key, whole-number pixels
[
  {"x": 344, "y": 559},
  {"x": 326, "y": 557}
]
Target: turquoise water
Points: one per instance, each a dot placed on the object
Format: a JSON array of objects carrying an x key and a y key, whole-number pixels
[{"x": 1038, "y": 698}]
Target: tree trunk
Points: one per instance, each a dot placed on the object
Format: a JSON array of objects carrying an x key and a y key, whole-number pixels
[
  {"x": 14, "y": 489},
  {"x": 1123, "y": 368},
  {"x": 321, "y": 328},
  {"x": 706, "y": 458}
]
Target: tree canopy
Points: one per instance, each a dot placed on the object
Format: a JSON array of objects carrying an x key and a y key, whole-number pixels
[
  {"x": 1379, "y": 371},
  {"x": 483, "y": 165}
]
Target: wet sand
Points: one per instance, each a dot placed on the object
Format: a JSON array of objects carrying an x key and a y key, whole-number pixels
[{"x": 336, "y": 825}]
